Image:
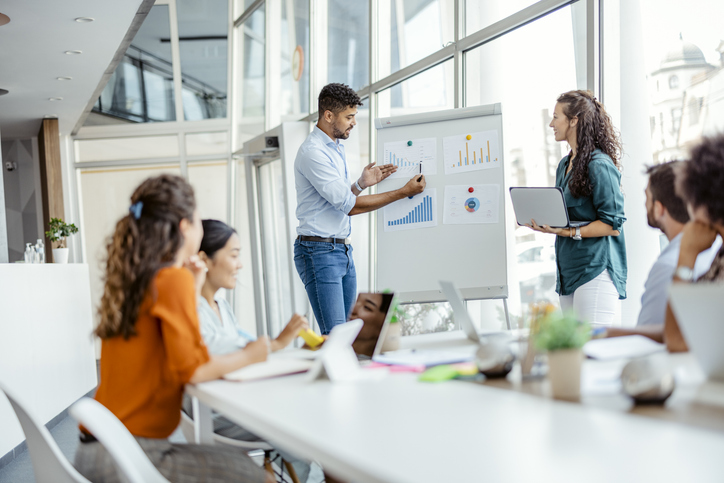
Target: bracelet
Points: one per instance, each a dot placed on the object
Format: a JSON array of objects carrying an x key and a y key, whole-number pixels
[{"x": 359, "y": 188}]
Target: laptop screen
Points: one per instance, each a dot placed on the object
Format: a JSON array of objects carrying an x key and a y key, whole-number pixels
[{"x": 373, "y": 309}]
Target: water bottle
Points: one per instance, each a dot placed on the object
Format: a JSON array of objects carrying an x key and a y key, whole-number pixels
[
  {"x": 29, "y": 253},
  {"x": 40, "y": 251}
]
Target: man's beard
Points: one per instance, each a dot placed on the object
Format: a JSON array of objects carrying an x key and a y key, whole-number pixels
[
  {"x": 651, "y": 221},
  {"x": 339, "y": 134}
]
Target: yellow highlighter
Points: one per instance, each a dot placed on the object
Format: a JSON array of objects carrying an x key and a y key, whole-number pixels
[{"x": 311, "y": 338}]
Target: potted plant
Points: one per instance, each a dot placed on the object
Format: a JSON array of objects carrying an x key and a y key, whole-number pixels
[
  {"x": 57, "y": 234},
  {"x": 562, "y": 335}
]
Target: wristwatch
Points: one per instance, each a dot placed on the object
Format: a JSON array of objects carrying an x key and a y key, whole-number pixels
[
  {"x": 359, "y": 188},
  {"x": 577, "y": 236},
  {"x": 685, "y": 274}
]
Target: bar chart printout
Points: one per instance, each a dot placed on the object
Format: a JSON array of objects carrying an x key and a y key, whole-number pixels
[
  {"x": 411, "y": 214},
  {"x": 480, "y": 151},
  {"x": 407, "y": 157}
]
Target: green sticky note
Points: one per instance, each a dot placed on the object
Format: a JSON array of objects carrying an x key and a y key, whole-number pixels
[{"x": 444, "y": 372}]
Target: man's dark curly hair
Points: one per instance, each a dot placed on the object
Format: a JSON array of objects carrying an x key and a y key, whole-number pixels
[
  {"x": 594, "y": 131},
  {"x": 702, "y": 178},
  {"x": 337, "y": 98},
  {"x": 662, "y": 184}
]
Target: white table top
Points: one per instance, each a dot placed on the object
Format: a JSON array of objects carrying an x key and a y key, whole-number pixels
[{"x": 400, "y": 430}]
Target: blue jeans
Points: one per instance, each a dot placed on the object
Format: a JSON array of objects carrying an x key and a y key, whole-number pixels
[{"x": 329, "y": 277}]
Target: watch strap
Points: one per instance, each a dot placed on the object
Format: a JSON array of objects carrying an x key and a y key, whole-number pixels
[{"x": 685, "y": 273}]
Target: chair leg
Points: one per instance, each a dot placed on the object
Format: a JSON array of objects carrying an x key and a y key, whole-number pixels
[
  {"x": 268, "y": 464},
  {"x": 292, "y": 471}
]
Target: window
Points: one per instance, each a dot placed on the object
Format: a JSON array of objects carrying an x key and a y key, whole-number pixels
[
  {"x": 431, "y": 90},
  {"x": 295, "y": 60},
  {"x": 673, "y": 82},
  {"x": 348, "y": 46},
  {"x": 251, "y": 76},
  {"x": 526, "y": 135}
]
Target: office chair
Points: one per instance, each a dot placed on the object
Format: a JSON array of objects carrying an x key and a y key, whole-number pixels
[
  {"x": 113, "y": 435},
  {"x": 49, "y": 464}
]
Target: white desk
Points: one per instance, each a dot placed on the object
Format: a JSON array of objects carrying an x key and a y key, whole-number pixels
[{"x": 400, "y": 430}]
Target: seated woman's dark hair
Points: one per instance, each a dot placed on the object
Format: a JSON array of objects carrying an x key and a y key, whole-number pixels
[
  {"x": 702, "y": 178},
  {"x": 216, "y": 234}
]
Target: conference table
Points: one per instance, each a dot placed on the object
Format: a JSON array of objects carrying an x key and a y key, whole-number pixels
[{"x": 397, "y": 429}]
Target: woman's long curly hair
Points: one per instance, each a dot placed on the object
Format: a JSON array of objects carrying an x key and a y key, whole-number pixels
[
  {"x": 593, "y": 131},
  {"x": 140, "y": 247}
]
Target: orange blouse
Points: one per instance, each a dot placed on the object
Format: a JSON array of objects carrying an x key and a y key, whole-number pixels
[{"x": 142, "y": 378}]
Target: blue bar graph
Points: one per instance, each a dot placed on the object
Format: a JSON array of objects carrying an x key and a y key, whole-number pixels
[{"x": 420, "y": 214}]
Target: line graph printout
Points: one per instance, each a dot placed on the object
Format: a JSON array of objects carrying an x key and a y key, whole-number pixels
[
  {"x": 411, "y": 214},
  {"x": 407, "y": 157},
  {"x": 471, "y": 152},
  {"x": 471, "y": 204}
]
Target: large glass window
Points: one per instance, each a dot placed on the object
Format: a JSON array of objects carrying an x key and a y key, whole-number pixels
[
  {"x": 295, "y": 59},
  {"x": 348, "y": 48},
  {"x": 481, "y": 14},
  {"x": 685, "y": 72},
  {"x": 112, "y": 149},
  {"x": 203, "y": 31},
  {"x": 141, "y": 88},
  {"x": 252, "y": 77},
  {"x": 531, "y": 153},
  {"x": 209, "y": 182},
  {"x": 431, "y": 90},
  {"x": 413, "y": 29}
]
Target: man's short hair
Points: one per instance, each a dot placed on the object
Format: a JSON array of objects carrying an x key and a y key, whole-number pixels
[
  {"x": 702, "y": 177},
  {"x": 337, "y": 98},
  {"x": 662, "y": 183}
]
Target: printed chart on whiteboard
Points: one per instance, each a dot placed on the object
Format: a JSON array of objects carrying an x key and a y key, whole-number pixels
[
  {"x": 420, "y": 211},
  {"x": 471, "y": 152},
  {"x": 470, "y": 204},
  {"x": 408, "y": 155}
]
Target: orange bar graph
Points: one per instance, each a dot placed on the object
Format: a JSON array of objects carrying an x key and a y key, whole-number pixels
[
  {"x": 461, "y": 158},
  {"x": 488, "y": 151},
  {"x": 481, "y": 155},
  {"x": 473, "y": 157},
  {"x": 467, "y": 155}
]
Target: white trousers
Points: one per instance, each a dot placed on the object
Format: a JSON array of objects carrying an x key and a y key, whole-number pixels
[{"x": 595, "y": 302}]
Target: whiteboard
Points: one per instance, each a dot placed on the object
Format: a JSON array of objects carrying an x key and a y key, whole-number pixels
[{"x": 413, "y": 255}]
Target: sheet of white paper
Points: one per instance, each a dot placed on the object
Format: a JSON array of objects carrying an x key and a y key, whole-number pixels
[
  {"x": 470, "y": 204},
  {"x": 420, "y": 211},
  {"x": 601, "y": 378},
  {"x": 481, "y": 151},
  {"x": 407, "y": 158},
  {"x": 622, "y": 347},
  {"x": 424, "y": 357}
]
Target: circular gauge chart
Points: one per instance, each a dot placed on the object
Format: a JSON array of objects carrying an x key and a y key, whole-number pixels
[{"x": 472, "y": 205}]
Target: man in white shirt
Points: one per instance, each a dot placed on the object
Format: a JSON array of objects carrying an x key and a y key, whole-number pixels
[{"x": 667, "y": 212}]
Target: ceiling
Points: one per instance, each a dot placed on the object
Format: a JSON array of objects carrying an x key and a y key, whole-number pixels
[{"x": 32, "y": 57}]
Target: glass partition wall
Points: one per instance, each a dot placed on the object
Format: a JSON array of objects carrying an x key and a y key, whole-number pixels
[{"x": 248, "y": 65}]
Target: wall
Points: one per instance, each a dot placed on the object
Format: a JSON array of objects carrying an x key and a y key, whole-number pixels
[{"x": 22, "y": 196}]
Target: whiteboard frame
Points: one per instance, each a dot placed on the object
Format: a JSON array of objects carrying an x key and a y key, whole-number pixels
[{"x": 434, "y": 294}]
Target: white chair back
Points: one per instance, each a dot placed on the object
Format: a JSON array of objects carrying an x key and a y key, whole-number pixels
[
  {"x": 49, "y": 464},
  {"x": 113, "y": 435}
]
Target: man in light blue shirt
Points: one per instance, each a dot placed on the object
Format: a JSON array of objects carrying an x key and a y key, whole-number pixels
[{"x": 326, "y": 198}]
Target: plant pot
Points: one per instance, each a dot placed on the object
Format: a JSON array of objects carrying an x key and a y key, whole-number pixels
[
  {"x": 60, "y": 255},
  {"x": 392, "y": 338},
  {"x": 564, "y": 372}
]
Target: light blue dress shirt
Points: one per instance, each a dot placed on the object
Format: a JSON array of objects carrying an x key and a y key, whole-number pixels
[
  {"x": 221, "y": 336},
  {"x": 324, "y": 194},
  {"x": 656, "y": 288}
]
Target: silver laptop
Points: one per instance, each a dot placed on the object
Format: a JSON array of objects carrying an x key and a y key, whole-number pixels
[
  {"x": 699, "y": 309},
  {"x": 547, "y": 206},
  {"x": 461, "y": 313},
  {"x": 372, "y": 332}
]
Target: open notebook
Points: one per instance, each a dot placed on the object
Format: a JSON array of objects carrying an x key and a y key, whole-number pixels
[{"x": 270, "y": 368}]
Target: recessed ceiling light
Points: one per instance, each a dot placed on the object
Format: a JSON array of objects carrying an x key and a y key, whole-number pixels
[
  {"x": 55, "y": 98},
  {"x": 4, "y": 19},
  {"x": 73, "y": 52},
  {"x": 50, "y": 116},
  {"x": 3, "y": 92},
  {"x": 84, "y": 19},
  {"x": 64, "y": 78}
]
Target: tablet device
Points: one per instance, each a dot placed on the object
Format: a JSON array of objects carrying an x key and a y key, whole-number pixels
[{"x": 546, "y": 206}]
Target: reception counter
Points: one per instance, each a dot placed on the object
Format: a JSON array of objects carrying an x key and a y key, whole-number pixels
[{"x": 47, "y": 355}]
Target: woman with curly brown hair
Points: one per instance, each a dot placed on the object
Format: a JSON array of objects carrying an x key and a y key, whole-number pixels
[
  {"x": 591, "y": 259},
  {"x": 151, "y": 344}
]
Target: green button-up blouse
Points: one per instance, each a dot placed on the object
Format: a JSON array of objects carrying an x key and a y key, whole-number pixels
[{"x": 580, "y": 261}]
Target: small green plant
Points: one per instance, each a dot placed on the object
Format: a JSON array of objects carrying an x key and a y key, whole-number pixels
[
  {"x": 58, "y": 231},
  {"x": 558, "y": 331}
]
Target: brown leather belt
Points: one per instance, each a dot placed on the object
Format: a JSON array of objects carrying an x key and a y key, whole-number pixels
[{"x": 341, "y": 241}]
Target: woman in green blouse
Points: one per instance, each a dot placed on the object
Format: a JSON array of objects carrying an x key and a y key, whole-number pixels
[{"x": 591, "y": 260}]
